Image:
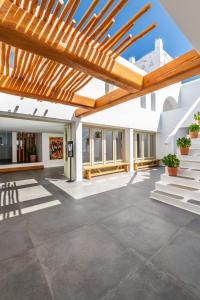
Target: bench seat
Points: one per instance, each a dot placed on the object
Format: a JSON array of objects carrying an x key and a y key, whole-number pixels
[
  {"x": 143, "y": 164},
  {"x": 98, "y": 170}
]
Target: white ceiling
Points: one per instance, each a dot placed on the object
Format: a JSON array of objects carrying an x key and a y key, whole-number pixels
[
  {"x": 11, "y": 124},
  {"x": 186, "y": 14}
]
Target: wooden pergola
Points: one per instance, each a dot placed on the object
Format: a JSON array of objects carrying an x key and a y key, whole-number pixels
[{"x": 45, "y": 55}]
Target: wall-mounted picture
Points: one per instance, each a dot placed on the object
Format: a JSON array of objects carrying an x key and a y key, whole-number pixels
[{"x": 56, "y": 148}]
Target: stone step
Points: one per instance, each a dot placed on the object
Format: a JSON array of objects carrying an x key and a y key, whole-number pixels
[
  {"x": 190, "y": 165},
  {"x": 190, "y": 158},
  {"x": 179, "y": 190},
  {"x": 189, "y": 173},
  {"x": 194, "y": 151},
  {"x": 191, "y": 206},
  {"x": 183, "y": 181}
]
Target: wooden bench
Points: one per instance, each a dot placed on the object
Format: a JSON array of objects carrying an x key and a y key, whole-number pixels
[
  {"x": 144, "y": 164},
  {"x": 98, "y": 170},
  {"x": 21, "y": 167}
]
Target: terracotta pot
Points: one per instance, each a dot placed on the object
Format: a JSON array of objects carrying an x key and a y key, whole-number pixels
[
  {"x": 172, "y": 171},
  {"x": 194, "y": 134},
  {"x": 184, "y": 151},
  {"x": 33, "y": 158}
]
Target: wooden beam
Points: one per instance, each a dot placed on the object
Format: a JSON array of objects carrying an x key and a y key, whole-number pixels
[
  {"x": 13, "y": 86},
  {"x": 28, "y": 32},
  {"x": 181, "y": 68}
]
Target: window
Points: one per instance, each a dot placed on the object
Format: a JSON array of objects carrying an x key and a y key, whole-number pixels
[
  {"x": 102, "y": 146},
  {"x": 143, "y": 102},
  {"x": 145, "y": 145},
  {"x": 86, "y": 144},
  {"x": 139, "y": 145},
  {"x": 98, "y": 145},
  {"x": 109, "y": 145},
  {"x": 145, "y": 139},
  {"x": 119, "y": 145},
  {"x": 153, "y": 102}
]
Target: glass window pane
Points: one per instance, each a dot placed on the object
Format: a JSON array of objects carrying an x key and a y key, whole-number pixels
[
  {"x": 97, "y": 145},
  {"x": 119, "y": 145},
  {"x": 109, "y": 145},
  {"x": 145, "y": 145},
  {"x": 86, "y": 145},
  {"x": 152, "y": 145},
  {"x": 139, "y": 145},
  {"x": 5, "y": 147}
]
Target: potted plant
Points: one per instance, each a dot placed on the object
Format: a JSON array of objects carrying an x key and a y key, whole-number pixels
[
  {"x": 33, "y": 154},
  {"x": 194, "y": 130},
  {"x": 197, "y": 117},
  {"x": 172, "y": 163},
  {"x": 184, "y": 145}
]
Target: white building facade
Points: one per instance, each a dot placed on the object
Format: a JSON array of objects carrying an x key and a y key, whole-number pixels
[{"x": 143, "y": 128}]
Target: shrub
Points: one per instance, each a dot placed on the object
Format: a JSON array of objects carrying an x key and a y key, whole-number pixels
[
  {"x": 193, "y": 127},
  {"x": 183, "y": 142},
  {"x": 171, "y": 161},
  {"x": 197, "y": 116}
]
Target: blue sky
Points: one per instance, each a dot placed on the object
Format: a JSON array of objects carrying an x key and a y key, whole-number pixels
[{"x": 175, "y": 43}]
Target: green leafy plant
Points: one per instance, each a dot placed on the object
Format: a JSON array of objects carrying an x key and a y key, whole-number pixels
[
  {"x": 33, "y": 150},
  {"x": 171, "y": 161},
  {"x": 183, "y": 142},
  {"x": 193, "y": 127},
  {"x": 197, "y": 116}
]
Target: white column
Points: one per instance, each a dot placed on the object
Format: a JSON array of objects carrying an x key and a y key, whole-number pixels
[
  {"x": 14, "y": 147},
  {"x": 77, "y": 138},
  {"x": 129, "y": 154}
]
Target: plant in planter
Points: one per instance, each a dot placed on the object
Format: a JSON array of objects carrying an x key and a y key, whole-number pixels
[
  {"x": 184, "y": 145},
  {"x": 194, "y": 130},
  {"x": 197, "y": 117},
  {"x": 33, "y": 154},
  {"x": 172, "y": 163}
]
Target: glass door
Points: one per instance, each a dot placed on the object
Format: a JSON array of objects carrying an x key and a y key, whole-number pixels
[
  {"x": 109, "y": 145},
  {"x": 98, "y": 145}
]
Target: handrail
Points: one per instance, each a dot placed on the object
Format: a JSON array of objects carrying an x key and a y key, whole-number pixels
[{"x": 181, "y": 122}]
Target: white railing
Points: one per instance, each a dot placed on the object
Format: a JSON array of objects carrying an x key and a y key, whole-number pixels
[{"x": 190, "y": 111}]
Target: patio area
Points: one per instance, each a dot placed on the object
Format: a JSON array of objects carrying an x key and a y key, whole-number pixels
[{"x": 114, "y": 243}]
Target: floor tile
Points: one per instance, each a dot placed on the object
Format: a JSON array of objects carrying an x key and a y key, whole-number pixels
[
  {"x": 21, "y": 278},
  {"x": 181, "y": 258},
  {"x": 150, "y": 284},
  {"x": 87, "y": 263},
  {"x": 142, "y": 232},
  {"x": 14, "y": 238}
]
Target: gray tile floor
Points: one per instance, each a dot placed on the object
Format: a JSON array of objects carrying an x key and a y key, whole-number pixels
[{"x": 117, "y": 245}]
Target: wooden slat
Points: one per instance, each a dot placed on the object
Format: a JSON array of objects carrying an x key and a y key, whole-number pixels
[
  {"x": 3, "y": 57},
  {"x": 103, "y": 32},
  {"x": 71, "y": 14},
  {"x": 13, "y": 86},
  {"x": 122, "y": 43},
  {"x": 65, "y": 10},
  {"x": 33, "y": 6},
  {"x": 56, "y": 12},
  {"x": 118, "y": 35},
  {"x": 16, "y": 34},
  {"x": 109, "y": 17},
  {"x": 48, "y": 10},
  {"x": 87, "y": 14},
  {"x": 8, "y": 50},
  {"x": 19, "y": 62},
  {"x": 41, "y": 8},
  {"x": 129, "y": 42}
]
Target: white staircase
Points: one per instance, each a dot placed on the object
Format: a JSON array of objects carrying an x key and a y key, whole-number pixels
[{"x": 182, "y": 191}]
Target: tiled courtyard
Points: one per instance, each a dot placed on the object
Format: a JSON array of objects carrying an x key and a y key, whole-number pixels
[{"x": 101, "y": 239}]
